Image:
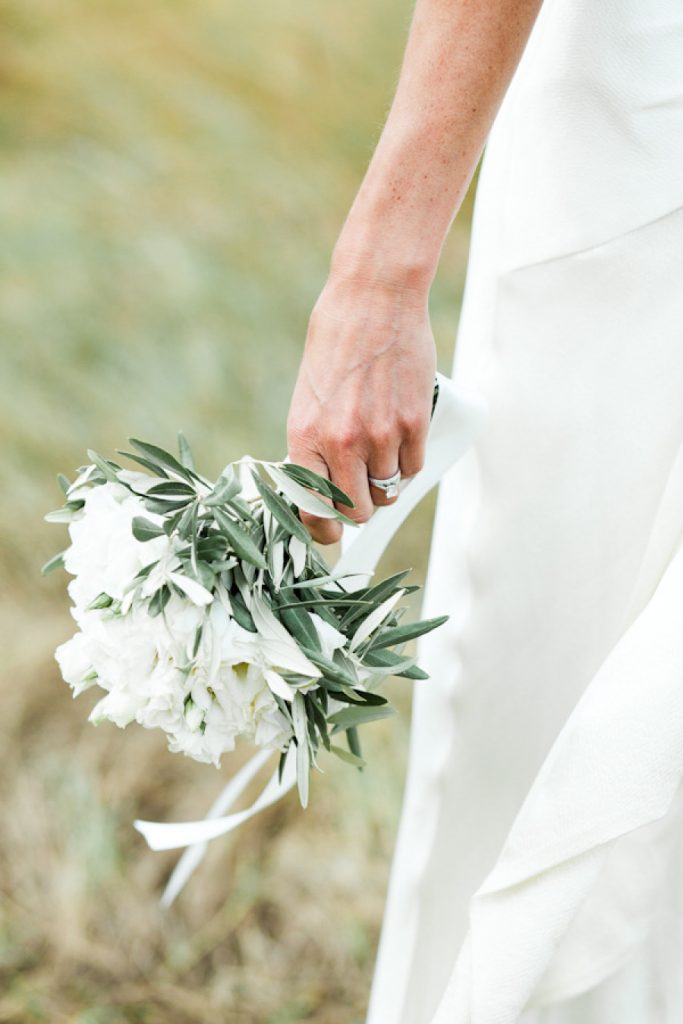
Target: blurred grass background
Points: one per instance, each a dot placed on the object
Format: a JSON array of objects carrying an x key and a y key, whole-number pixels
[{"x": 174, "y": 176}]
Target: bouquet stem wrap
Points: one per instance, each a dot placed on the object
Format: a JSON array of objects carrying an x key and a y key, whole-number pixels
[{"x": 457, "y": 418}]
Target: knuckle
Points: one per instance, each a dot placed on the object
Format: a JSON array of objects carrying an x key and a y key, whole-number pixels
[
  {"x": 413, "y": 423},
  {"x": 412, "y": 463},
  {"x": 343, "y": 439},
  {"x": 299, "y": 431},
  {"x": 314, "y": 315},
  {"x": 382, "y": 438}
]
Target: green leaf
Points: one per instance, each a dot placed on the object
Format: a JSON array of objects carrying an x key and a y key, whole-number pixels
[
  {"x": 376, "y": 594},
  {"x": 56, "y": 562},
  {"x": 64, "y": 483},
  {"x": 173, "y": 489},
  {"x": 393, "y": 662},
  {"x": 302, "y": 754},
  {"x": 162, "y": 458},
  {"x": 145, "y": 529},
  {"x": 332, "y": 599},
  {"x": 205, "y": 574},
  {"x": 242, "y": 509},
  {"x": 346, "y": 755},
  {"x": 158, "y": 601},
  {"x": 299, "y": 623},
  {"x": 351, "y": 695},
  {"x": 105, "y": 466},
  {"x": 59, "y": 515},
  {"x": 331, "y": 669},
  {"x": 145, "y": 571},
  {"x": 193, "y": 537},
  {"x": 400, "y": 634},
  {"x": 141, "y": 461},
  {"x": 202, "y": 572},
  {"x": 186, "y": 522},
  {"x": 171, "y": 522},
  {"x": 241, "y": 613},
  {"x": 281, "y": 764},
  {"x": 319, "y": 718},
  {"x": 367, "y": 697},
  {"x": 337, "y": 690},
  {"x": 240, "y": 541},
  {"x": 359, "y": 714},
  {"x": 225, "y": 489},
  {"x": 315, "y": 482},
  {"x": 312, "y": 730},
  {"x": 353, "y": 740},
  {"x": 211, "y": 547},
  {"x": 225, "y": 565},
  {"x": 304, "y": 499},
  {"x": 162, "y": 506},
  {"x": 281, "y": 510},
  {"x": 322, "y": 609},
  {"x": 372, "y": 622},
  {"x": 185, "y": 451},
  {"x": 101, "y": 601}
]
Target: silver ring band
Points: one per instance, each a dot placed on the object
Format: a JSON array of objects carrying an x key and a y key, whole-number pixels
[{"x": 389, "y": 485}]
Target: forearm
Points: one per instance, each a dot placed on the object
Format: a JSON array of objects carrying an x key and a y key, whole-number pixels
[{"x": 459, "y": 58}]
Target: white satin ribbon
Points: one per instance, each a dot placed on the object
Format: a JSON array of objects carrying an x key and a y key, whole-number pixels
[{"x": 457, "y": 418}]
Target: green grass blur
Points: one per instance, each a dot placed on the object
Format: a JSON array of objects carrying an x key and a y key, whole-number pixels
[{"x": 174, "y": 176}]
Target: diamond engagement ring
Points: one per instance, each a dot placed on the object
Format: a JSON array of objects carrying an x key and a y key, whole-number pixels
[{"x": 388, "y": 485}]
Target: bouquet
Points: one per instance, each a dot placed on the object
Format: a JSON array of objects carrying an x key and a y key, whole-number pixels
[{"x": 205, "y": 610}]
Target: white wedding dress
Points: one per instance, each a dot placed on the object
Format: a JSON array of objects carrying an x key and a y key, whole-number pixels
[{"x": 538, "y": 870}]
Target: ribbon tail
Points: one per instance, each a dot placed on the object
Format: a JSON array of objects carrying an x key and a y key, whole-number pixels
[{"x": 197, "y": 834}]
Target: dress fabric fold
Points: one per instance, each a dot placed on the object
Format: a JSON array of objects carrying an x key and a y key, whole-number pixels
[{"x": 538, "y": 870}]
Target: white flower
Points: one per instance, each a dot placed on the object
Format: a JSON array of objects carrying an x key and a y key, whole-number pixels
[
  {"x": 272, "y": 729},
  {"x": 194, "y": 715},
  {"x": 119, "y": 707},
  {"x": 74, "y": 658},
  {"x": 178, "y": 626},
  {"x": 104, "y": 555},
  {"x": 123, "y": 649}
]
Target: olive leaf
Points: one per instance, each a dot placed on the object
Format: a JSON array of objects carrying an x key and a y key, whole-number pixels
[{"x": 240, "y": 541}]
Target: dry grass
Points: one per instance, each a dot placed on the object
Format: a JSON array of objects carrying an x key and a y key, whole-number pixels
[{"x": 174, "y": 175}]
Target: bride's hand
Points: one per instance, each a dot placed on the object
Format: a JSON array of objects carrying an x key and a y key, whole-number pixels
[{"x": 363, "y": 395}]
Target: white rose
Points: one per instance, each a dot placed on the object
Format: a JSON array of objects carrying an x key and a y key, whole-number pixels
[
  {"x": 272, "y": 729},
  {"x": 104, "y": 555},
  {"x": 177, "y": 627},
  {"x": 74, "y": 658},
  {"x": 165, "y": 692},
  {"x": 124, "y": 649},
  {"x": 207, "y": 746},
  {"x": 119, "y": 706}
]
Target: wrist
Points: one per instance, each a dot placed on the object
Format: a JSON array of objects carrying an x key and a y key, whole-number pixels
[
  {"x": 379, "y": 265},
  {"x": 399, "y": 219}
]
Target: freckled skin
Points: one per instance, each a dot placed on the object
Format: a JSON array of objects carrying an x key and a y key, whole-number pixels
[{"x": 363, "y": 392}]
